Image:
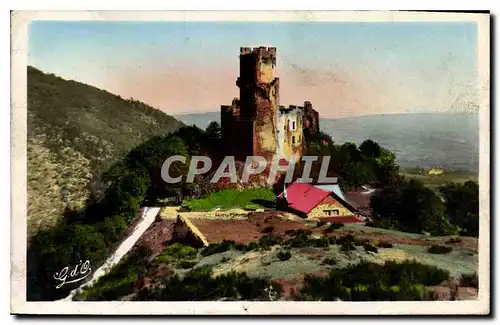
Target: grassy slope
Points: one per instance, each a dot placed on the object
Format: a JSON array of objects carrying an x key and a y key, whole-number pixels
[
  {"x": 75, "y": 132},
  {"x": 247, "y": 198}
]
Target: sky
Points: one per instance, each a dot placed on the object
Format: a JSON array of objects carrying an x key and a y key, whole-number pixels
[{"x": 344, "y": 69}]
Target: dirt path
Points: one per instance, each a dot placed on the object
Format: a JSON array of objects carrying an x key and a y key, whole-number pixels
[{"x": 148, "y": 217}]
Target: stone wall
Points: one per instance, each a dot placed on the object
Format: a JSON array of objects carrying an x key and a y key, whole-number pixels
[{"x": 329, "y": 203}]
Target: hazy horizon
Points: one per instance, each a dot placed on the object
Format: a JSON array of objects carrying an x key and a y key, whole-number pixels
[
  {"x": 344, "y": 69},
  {"x": 443, "y": 139},
  {"x": 354, "y": 116}
]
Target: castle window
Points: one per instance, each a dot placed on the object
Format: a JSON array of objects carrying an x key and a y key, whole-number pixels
[
  {"x": 293, "y": 139},
  {"x": 293, "y": 125}
]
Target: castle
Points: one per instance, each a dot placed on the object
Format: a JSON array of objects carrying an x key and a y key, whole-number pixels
[{"x": 256, "y": 124}]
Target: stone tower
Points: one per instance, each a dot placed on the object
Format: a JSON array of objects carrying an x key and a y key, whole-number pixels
[
  {"x": 255, "y": 124},
  {"x": 249, "y": 124}
]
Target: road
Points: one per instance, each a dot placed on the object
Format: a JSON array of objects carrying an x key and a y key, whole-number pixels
[{"x": 149, "y": 215}]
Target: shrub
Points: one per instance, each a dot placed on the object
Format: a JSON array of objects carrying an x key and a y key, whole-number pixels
[
  {"x": 370, "y": 248},
  {"x": 415, "y": 272},
  {"x": 347, "y": 238},
  {"x": 384, "y": 244},
  {"x": 320, "y": 242},
  {"x": 113, "y": 227},
  {"x": 347, "y": 246},
  {"x": 184, "y": 264},
  {"x": 177, "y": 251},
  {"x": 265, "y": 242},
  {"x": 303, "y": 233},
  {"x": 300, "y": 237},
  {"x": 267, "y": 230},
  {"x": 469, "y": 280},
  {"x": 199, "y": 285},
  {"x": 246, "y": 248},
  {"x": 119, "y": 281},
  {"x": 216, "y": 248},
  {"x": 371, "y": 282},
  {"x": 329, "y": 261},
  {"x": 284, "y": 255},
  {"x": 438, "y": 249}
]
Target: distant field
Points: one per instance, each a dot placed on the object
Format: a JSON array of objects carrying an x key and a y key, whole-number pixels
[
  {"x": 447, "y": 177},
  {"x": 246, "y": 199}
]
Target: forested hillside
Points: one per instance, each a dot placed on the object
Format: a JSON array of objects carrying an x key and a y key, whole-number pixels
[{"x": 75, "y": 133}]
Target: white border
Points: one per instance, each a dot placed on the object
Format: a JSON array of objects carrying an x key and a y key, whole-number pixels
[{"x": 19, "y": 23}]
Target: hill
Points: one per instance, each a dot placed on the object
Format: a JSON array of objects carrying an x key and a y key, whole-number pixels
[
  {"x": 426, "y": 140},
  {"x": 76, "y": 132},
  {"x": 288, "y": 252}
]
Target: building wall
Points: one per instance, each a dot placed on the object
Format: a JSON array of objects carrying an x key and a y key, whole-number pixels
[
  {"x": 290, "y": 133},
  {"x": 329, "y": 203},
  {"x": 237, "y": 133}
]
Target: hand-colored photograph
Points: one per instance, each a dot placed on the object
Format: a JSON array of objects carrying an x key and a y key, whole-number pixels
[{"x": 256, "y": 160}]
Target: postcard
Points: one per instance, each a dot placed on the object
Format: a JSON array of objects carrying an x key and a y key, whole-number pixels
[{"x": 243, "y": 163}]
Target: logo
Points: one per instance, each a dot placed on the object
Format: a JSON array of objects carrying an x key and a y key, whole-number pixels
[
  {"x": 79, "y": 273},
  {"x": 254, "y": 165}
]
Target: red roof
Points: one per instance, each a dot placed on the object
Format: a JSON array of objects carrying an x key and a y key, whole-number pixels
[{"x": 304, "y": 197}]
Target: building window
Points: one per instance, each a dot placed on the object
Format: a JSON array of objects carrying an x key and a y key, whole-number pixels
[
  {"x": 293, "y": 125},
  {"x": 331, "y": 212},
  {"x": 293, "y": 139}
]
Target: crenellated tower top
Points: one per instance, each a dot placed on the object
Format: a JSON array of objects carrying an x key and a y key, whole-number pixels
[{"x": 262, "y": 53}]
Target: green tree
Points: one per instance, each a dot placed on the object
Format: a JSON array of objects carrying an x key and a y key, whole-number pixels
[
  {"x": 113, "y": 227},
  {"x": 213, "y": 132},
  {"x": 88, "y": 244},
  {"x": 194, "y": 138},
  {"x": 356, "y": 174},
  {"x": 410, "y": 206},
  {"x": 385, "y": 168},
  {"x": 370, "y": 148},
  {"x": 462, "y": 206}
]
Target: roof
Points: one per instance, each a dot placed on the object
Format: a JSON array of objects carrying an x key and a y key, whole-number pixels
[
  {"x": 332, "y": 188},
  {"x": 360, "y": 200},
  {"x": 303, "y": 197}
]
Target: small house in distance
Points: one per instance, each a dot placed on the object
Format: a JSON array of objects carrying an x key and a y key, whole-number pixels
[{"x": 311, "y": 202}]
